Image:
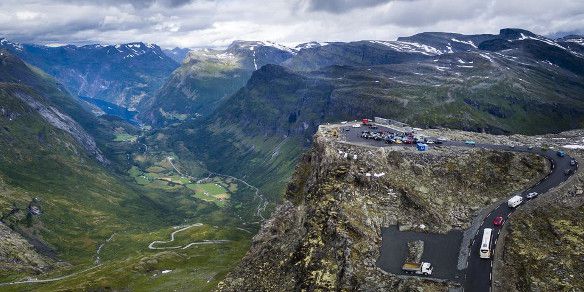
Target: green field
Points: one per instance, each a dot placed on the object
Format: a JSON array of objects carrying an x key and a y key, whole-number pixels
[
  {"x": 125, "y": 137},
  {"x": 211, "y": 192}
]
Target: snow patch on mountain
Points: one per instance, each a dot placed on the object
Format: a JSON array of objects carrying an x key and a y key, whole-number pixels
[
  {"x": 311, "y": 45},
  {"x": 4, "y": 42},
  {"x": 486, "y": 56},
  {"x": 541, "y": 39},
  {"x": 470, "y": 43},
  {"x": 411, "y": 47},
  {"x": 252, "y": 45}
]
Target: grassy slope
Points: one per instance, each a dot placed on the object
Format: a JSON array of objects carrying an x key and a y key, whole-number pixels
[{"x": 84, "y": 203}]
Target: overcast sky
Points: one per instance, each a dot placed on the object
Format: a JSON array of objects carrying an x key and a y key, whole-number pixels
[{"x": 208, "y": 23}]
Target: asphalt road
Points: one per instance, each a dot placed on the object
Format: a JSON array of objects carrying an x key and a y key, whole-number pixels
[
  {"x": 478, "y": 276},
  {"x": 394, "y": 251}
]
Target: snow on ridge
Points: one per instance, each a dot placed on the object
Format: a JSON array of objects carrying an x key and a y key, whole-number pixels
[
  {"x": 310, "y": 45},
  {"x": 541, "y": 39},
  {"x": 579, "y": 41},
  {"x": 16, "y": 46},
  {"x": 278, "y": 46},
  {"x": 465, "y": 42},
  {"x": 486, "y": 56},
  {"x": 409, "y": 47},
  {"x": 252, "y": 45}
]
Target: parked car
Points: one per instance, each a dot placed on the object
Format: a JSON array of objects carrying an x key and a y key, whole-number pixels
[
  {"x": 498, "y": 221},
  {"x": 532, "y": 195},
  {"x": 573, "y": 162},
  {"x": 568, "y": 171},
  {"x": 470, "y": 142}
]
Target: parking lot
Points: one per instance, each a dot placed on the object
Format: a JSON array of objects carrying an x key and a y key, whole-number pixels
[
  {"x": 379, "y": 135},
  {"x": 394, "y": 251}
]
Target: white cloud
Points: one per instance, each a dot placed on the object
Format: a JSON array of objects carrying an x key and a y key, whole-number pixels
[
  {"x": 27, "y": 15},
  {"x": 200, "y": 23}
]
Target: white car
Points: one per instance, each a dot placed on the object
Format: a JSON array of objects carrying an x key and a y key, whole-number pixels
[
  {"x": 531, "y": 195},
  {"x": 356, "y": 126}
]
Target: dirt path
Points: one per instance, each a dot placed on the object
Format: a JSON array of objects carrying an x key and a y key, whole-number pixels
[
  {"x": 33, "y": 281},
  {"x": 214, "y": 241}
]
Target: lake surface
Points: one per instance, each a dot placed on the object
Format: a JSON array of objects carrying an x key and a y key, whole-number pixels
[{"x": 113, "y": 109}]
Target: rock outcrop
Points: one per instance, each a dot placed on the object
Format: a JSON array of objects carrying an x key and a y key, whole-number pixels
[
  {"x": 327, "y": 232},
  {"x": 64, "y": 122}
]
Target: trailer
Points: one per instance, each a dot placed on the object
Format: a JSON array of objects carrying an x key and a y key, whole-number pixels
[
  {"x": 515, "y": 201},
  {"x": 422, "y": 268}
]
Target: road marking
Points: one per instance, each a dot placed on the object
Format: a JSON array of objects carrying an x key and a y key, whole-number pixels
[{"x": 490, "y": 276}]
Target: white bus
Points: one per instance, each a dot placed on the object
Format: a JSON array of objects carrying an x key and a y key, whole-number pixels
[{"x": 485, "y": 251}]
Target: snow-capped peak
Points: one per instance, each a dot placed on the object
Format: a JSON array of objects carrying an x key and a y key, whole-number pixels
[
  {"x": 310, "y": 45},
  {"x": 252, "y": 45},
  {"x": 573, "y": 39},
  {"x": 6, "y": 43}
]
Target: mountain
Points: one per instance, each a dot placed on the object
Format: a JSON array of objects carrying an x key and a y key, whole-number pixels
[
  {"x": 48, "y": 160},
  {"x": 207, "y": 77},
  {"x": 327, "y": 232},
  {"x": 84, "y": 198},
  {"x": 121, "y": 74},
  {"x": 177, "y": 54},
  {"x": 532, "y": 86}
]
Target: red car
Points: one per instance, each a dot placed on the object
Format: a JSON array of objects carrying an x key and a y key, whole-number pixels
[{"x": 498, "y": 221}]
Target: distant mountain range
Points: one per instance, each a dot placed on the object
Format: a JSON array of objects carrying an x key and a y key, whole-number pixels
[
  {"x": 233, "y": 115},
  {"x": 177, "y": 54},
  {"x": 248, "y": 111},
  {"x": 120, "y": 74},
  {"x": 511, "y": 82}
]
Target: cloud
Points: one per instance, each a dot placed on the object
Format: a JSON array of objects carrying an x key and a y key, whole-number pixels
[
  {"x": 211, "y": 23},
  {"x": 340, "y": 6},
  {"x": 140, "y": 4}
]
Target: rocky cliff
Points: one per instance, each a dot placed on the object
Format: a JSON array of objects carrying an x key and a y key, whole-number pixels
[
  {"x": 327, "y": 232},
  {"x": 543, "y": 249}
]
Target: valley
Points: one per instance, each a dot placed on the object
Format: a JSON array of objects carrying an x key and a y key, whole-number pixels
[{"x": 132, "y": 167}]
